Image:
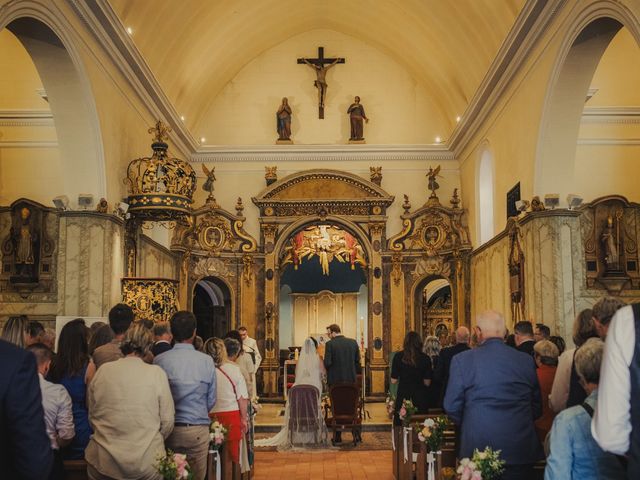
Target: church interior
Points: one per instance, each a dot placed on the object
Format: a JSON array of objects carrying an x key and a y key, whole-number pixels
[{"x": 147, "y": 156}]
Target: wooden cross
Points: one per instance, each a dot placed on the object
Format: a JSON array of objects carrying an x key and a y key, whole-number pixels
[{"x": 320, "y": 66}]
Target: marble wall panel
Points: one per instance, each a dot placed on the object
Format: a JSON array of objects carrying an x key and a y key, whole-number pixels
[{"x": 155, "y": 261}]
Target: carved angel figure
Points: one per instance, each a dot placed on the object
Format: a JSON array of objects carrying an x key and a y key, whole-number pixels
[
  {"x": 433, "y": 184},
  {"x": 208, "y": 184}
]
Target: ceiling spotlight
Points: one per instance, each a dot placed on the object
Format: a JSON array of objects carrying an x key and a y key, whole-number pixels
[
  {"x": 438, "y": 139},
  {"x": 85, "y": 200},
  {"x": 130, "y": 30},
  {"x": 458, "y": 119},
  {"x": 61, "y": 202},
  {"x": 551, "y": 200},
  {"x": 182, "y": 117},
  {"x": 574, "y": 201},
  {"x": 202, "y": 139}
]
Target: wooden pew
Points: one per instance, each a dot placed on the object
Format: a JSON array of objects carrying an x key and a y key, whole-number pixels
[
  {"x": 230, "y": 470},
  {"x": 75, "y": 470}
]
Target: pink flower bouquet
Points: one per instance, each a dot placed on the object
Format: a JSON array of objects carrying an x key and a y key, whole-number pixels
[{"x": 174, "y": 466}]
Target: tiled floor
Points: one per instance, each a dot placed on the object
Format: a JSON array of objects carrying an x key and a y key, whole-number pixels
[
  {"x": 323, "y": 465},
  {"x": 269, "y": 414}
]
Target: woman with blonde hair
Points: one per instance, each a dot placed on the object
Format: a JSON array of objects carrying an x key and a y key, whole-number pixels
[
  {"x": 15, "y": 329},
  {"x": 232, "y": 397},
  {"x": 431, "y": 348},
  {"x": 131, "y": 411}
]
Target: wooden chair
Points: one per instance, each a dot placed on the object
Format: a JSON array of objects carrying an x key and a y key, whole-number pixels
[
  {"x": 303, "y": 410},
  {"x": 345, "y": 410}
]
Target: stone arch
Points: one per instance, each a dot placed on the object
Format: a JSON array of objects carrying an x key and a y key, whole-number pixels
[
  {"x": 588, "y": 37},
  {"x": 50, "y": 42}
]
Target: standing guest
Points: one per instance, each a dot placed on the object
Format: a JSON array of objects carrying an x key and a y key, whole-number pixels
[
  {"x": 411, "y": 370},
  {"x": 162, "y": 337},
  {"x": 25, "y": 448},
  {"x": 541, "y": 332},
  {"x": 49, "y": 338},
  {"x": 441, "y": 372},
  {"x": 567, "y": 391},
  {"x": 558, "y": 342},
  {"x": 192, "y": 378},
  {"x": 616, "y": 424},
  {"x": 524, "y": 337},
  {"x": 120, "y": 318},
  {"x": 35, "y": 331},
  {"x": 198, "y": 343},
  {"x": 342, "y": 360},
  {"x": 232, "y": 400},
  {"x": 494, "y": 396},
  {"x": 511, "y": 340},
  {"x": 245, "y": 363},
  {"x": 72, "y": 368},
  {"x": 250, "y": 346},
  {"x": 575, "y": 455},
  {"x": 101, "y": 336},
  {"x": 546, "y": 357},
  {"x": 15, "y": 331},
  {"x": 128, "y": 441},
  {"x": 58, "y": 412},
  {"x": 603, "y": 311},
  {"x": 432, "y": 349}
]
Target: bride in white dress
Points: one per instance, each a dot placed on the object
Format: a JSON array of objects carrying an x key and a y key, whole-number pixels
[{"x": 295, "y": 432}]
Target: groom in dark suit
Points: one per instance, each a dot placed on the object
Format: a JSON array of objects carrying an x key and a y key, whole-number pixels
[{"x": 341, "y": 359}]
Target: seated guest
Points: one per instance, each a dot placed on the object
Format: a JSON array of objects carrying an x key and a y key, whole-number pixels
[
  {"x": 192, "y": 378},
  {"x": 35, "y": 331},
  {"x": 541, "y": 332},
  {"x": 524, "y": 337},
  {"x": 546, "y": 357},
  {"x": 411, "y": 370},
  {"x": 25, "y": 448},
  {"x": 131, "y": 411},
  {"x": 494, "y": 396},
  {"x": 15, "y": 330},
  {"x": 574, "y": 452},
  {"x": 232, "y": 396},
  {"x": 432, "y": 348},
  {"x": 162, "y": 338},
  {"x": 441, "y": 372},
  {"x": 73, "y": 369},
  {"x": 603, "y": 311},
  {"x": 100, "y": 337},
  {"x": 58, "y": 413},
  {"x": 120, "y": 318}
]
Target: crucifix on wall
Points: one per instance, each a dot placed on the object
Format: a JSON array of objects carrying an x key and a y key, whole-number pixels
[{"x": 321, "y": 65}]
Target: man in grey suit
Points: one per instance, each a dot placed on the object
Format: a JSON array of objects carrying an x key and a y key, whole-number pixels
[{"x": 341, "y": 359}]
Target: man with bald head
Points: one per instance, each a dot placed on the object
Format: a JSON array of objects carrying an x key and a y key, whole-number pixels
[
  {"x": 441, "y": 373},
  {"x": 493, "y": 395}
]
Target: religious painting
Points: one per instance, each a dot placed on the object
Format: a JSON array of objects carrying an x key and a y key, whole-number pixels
[
  {"x": 432, "y": 236},
  {"x": 327, "y": 243}
]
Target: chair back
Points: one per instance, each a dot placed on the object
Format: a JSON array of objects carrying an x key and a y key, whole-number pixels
[
  {"x": 303, "y": 404},
  {"x": 345, "y": 399}
]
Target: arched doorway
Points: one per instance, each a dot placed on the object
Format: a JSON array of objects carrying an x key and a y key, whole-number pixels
[
  {"x": 434, "y": 308},
  {"x": 60, "y": 115},
  {"x": 584, "y": 127},
  {"x": 212, "y": 307}
]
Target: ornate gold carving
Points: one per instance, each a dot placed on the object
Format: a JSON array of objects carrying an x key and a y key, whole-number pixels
[
  {"x": 397, "y": 242},
  {"x": 160, "y": 187},
  {"x": 151, "y": 298},
  {"x": 376, "y": 229},
  {"x": 433, "y": 185},
  {"x": 161, "y": 131},
  {"x": 271, "y": 174},
  {"x": 360, "y": 184},
  {"x": 249, "y": 244},
  {"x": 208, "y": 185},
  {"x": 208, "y": 266},
  {"x": 247, "y": 269},
  {"x": 396, "y": 269},
  {"x": 375, "y": 174},
  {"x": 455, "y": 199},
  {"x": 406, "y": 205},
  {"x": 269, "y": 230},
  {"x": 239, "y": 207},
  {"x": 328, "y": 243},
  {"x": 432, "y": 265},
  {"x": 214, "y": 234}
]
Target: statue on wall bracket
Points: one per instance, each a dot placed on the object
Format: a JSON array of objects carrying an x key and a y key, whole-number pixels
[{"x": 283, "y": 123}]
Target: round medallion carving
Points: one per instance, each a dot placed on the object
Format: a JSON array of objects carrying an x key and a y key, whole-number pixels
[
  {"x": 269, "y": 274},
  {"x": 377, "y": 272},
  {"x": 268, "y": 247},
  {"x": 376, "y": 210},
  {"x": 377, "y": 343},
  {"x": 377, "y": 308},
  {"x": 268, "y": 211},
  {"x": 376, "y": 245}
]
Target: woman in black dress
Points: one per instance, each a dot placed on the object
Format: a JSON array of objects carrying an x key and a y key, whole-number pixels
[{"x": 411, "y": 370}]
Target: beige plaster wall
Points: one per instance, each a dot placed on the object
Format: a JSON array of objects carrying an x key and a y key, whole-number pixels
[{"x": 400, "y": 108}]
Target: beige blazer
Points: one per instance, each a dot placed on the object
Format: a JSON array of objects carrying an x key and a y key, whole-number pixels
[{"x": 131, "y": 411}]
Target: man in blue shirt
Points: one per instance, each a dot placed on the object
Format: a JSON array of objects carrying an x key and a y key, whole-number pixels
[{"x": 192, "y": 378}]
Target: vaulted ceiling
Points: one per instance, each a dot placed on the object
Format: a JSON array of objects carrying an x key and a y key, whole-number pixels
[{"x": 195, "y": 47}]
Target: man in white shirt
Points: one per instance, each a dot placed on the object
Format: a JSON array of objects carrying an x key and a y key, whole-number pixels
[
  {"x": 58, "y": 413},
  {"x": 250, "y": 346},
  {"x": 615, "y": 416}
]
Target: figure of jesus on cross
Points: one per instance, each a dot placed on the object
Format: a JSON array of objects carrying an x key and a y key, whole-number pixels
[{"x": 321, "y": 65}]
